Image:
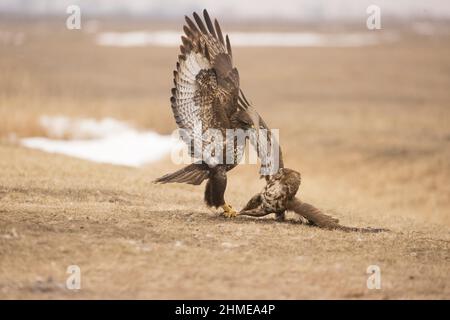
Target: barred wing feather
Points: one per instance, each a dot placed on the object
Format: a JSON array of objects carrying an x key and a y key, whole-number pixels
[{"x": 206, "y": 85}]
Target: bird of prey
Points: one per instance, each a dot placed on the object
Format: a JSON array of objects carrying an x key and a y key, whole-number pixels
[
  {"x": 206, "y": 93},
  {"x": 278, "y": 196}
]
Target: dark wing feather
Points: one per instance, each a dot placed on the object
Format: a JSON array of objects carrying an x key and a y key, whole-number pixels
[
  {"x": 209, "y": 24},
  {"x": 200, "y": 23},
  {"x": 262, "y": 141},
  {"x": 229, "y": 46},
  {"x": 208, "y": 41}
]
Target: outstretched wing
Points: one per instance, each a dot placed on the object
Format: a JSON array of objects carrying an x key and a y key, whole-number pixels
[
  {"x": 206, "y": 86},
  {"x": 266, "y": 144}
]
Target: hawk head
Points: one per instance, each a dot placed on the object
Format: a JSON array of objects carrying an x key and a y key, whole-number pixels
[{"x": 242, "y": 120}]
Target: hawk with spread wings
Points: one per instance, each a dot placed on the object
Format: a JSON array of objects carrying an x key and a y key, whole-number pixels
[{"x": 207, "y": 95}]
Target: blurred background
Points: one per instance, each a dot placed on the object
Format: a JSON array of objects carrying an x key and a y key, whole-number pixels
[
  {"x": 363, "y": 115},
  {"x": 362, "y": 112},
  {"x": 297, "y": 11}
]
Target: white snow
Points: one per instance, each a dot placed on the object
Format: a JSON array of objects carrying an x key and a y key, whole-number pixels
[
  {"x": 107, "y": 141},
  {"x": 168, "y": 38},
  {"x": 62, "y": 127}
]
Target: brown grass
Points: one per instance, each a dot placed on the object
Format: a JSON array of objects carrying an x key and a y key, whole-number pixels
[{"x": 367, "y": 127}]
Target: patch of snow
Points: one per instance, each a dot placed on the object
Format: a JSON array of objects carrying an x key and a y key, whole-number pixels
[
  {"x": 111, "y": 141},
  {"x": 139, "y": 38},
  {"x": 64, "y": 127},
  {"x": 178, "y": 243},
  {"x": 167, "y": 38},
  {"x": 229, "y": 245}
]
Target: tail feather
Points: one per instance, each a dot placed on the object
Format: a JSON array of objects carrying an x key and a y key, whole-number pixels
[
  {"x": 318, "y": 218},
  {"x": 192, "y": 174},
  {"x": 312, "y": 214}
]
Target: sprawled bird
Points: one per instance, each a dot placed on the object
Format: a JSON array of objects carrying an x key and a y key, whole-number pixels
[
  {"x": 206, "y": 93},
  {"x": 279, "y": 196}
]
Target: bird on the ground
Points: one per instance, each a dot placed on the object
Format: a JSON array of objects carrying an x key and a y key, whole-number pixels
[{"x": 279, "y": 196}]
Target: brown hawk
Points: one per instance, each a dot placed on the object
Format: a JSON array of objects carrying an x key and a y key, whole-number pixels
[
  {"x": 278, "y": 196},
  {"x": 206, "y": 94}
]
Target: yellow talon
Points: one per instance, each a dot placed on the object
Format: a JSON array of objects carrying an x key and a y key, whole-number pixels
[{"x": 228, "y": 211}]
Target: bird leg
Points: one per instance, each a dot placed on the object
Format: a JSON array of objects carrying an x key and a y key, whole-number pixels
[
  {"x": 228, "y": 211},
  {"x": 254, "y": 202},
  {"x": 258, "y": 212}
]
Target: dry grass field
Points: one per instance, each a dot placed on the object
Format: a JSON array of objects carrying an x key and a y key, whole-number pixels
[{"x": 368, "y": 128}]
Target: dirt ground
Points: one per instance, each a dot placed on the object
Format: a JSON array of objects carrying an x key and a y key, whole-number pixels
[{"x": 368, "y": 128}]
